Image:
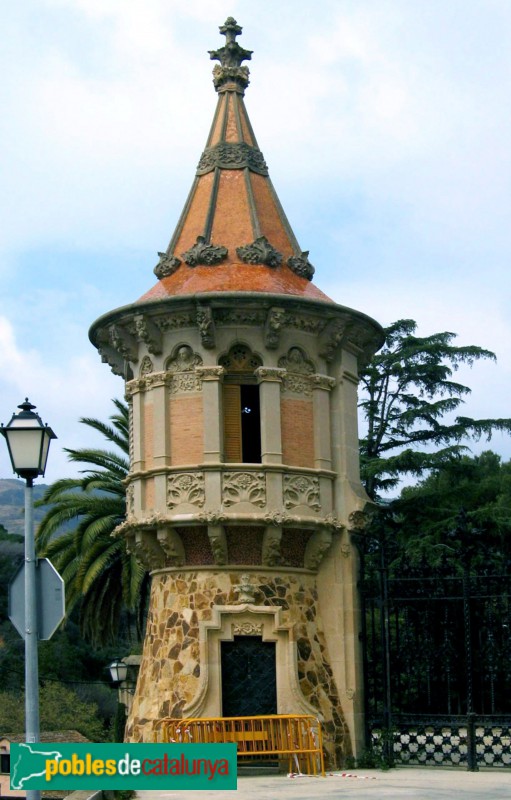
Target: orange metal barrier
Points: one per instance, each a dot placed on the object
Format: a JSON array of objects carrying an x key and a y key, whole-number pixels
[{"x": 297, "y": 739}]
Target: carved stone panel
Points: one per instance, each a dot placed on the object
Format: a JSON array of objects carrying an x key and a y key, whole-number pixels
[
  {"x": 187, "y": 487},
  {"x": 300, "y": 490},
  {"x": 247, "y": 629},
  {"x": 244, "y": 487},
  {"x": 182, "y": 367},
  {"x": 298, "y": 370}
]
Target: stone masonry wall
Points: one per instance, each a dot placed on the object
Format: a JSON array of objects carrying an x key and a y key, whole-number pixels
[{"x": 170, "y": 671}]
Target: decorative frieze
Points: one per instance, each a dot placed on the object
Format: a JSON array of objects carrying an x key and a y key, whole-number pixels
[
  {"x": 240, "y": 316},
  {"x": 232, "y": 155},
  {"x": 204, "y": 253},
  {"x": 187, "y": 487},
  {"x": 301, "y": 265},
  {"x": 244, "y": 487},
  {"x": 300, "y": 490},
  {"x": 175, "y": 321},
  {"x": 260, "y": 252},
  {"x": 185, "y": 382}
]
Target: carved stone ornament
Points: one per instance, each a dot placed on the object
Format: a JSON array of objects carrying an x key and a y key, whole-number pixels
[
  {"x": 247, "y": 629},
  {"x": 147, "y": 550},
  {"x": 186, "y": 487},
  {"x": 210, "y": 373},
  {"x": 183, "y": 360},
  {"x": 271, "y": 550},
  {"x": 277, "y": 518},
  {"x": 232, "y": 155},
  {"x": 297, "y": 362},
  {"x": 230, "y": 73},
  {"x": 218, "y": 543},
  {"x": 185, "y": 383},
  {"x": 146, "y": 367},
  {"x": 123, "y": 342},
  {"x": 260, "y": 252},
  {"x": 130, "y": 501},
  {"x": 269, "y": 374},
  {"x": 206, "y": 326},
  {"x": 216, "y": 517},
  {"x": 148, "y": 333},
  {"x": 172, "y": 322},
  {"x": 332, "y": 338},
  {"x": 301, "y": 265},
  {"x": 166, "y": 266},
  {"x": 300, "y": 490},
  {"x": 246, "y": 591},
  {"x": 244, "y": 487},
  {"x": 324, "y": 382},
  {"x": 182, "y": 368},
  {"x": 298, "y": 369},
  {"x": 273, "y": 327},
  {"x": 204, "y": 253},
  {"x": 172, "y": 545},
  {"x": 317, "y": 547}
]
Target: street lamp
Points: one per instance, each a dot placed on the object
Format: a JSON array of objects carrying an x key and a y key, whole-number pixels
[
  {"x": 28, "y": 441},
  {"x": 118, "y": 670}
]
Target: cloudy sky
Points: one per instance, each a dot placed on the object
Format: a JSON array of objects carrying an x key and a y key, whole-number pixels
[{"x": 385, "y": 125}]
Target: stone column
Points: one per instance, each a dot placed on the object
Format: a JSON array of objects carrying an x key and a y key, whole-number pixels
[
  {"x": 212, "y": 379},
  {"x": 321, "y": 386},
  {"x": 161, "y": 436},
  {"x": 270, "y": 379}
]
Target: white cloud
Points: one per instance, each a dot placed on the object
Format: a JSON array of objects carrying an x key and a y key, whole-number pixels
[{"x": 62, "y": 391}]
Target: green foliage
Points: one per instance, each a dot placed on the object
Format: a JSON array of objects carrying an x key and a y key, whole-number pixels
[
  {"x": 107, "y": 582},
  {"x": 409, "y": 400},
  {"x": 425, "y": 514},
  {"x": 60, "y": 709}
]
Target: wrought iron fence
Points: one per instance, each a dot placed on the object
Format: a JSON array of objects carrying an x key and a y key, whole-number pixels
[{"x": 437, "y": 663}]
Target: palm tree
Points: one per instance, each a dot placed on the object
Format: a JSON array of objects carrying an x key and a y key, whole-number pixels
[{"x": 107, "y": 583}]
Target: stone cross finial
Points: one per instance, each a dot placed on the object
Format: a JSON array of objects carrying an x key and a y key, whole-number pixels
[{"x": 230, "y": 75}]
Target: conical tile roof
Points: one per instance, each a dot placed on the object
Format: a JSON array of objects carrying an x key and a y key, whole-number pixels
[{"x": 233, "y": 235}]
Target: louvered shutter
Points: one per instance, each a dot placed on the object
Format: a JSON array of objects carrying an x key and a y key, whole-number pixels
[{"x": 232, "y": 423}]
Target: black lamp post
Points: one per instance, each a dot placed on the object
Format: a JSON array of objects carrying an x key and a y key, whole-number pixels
[{"x": 28, "y": 441}]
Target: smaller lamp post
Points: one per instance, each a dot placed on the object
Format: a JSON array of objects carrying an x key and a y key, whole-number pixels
[
  {"x": 28, "y": 442},
  {"x": 119, "y": 671}
]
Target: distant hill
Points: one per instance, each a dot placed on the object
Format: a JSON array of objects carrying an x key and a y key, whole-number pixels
[{"x": 12, "y": 504}]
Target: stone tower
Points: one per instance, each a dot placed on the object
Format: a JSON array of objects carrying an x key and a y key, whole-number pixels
[{"x": 244, "y": 480}]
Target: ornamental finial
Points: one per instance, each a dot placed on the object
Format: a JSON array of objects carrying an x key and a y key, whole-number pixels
[{"x": 230, "y": 75}]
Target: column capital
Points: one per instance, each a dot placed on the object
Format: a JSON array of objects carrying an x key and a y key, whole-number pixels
[
  {"x": 210, "y": 373},
  {"x": 324, "y": 382},
  {"x": 269, "y": 374}
]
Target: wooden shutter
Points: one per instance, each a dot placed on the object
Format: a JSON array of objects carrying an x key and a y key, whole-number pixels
[{"x": 232, "y": 423}]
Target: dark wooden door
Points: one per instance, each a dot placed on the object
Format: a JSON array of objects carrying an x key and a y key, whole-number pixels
[{"x": 249, "y": 680}]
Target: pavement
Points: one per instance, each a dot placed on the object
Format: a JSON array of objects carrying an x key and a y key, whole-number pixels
[{"x": 403, "y": 782}]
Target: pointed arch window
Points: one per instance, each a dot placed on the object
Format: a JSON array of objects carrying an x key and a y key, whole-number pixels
[{"x": 241, "y": 406}]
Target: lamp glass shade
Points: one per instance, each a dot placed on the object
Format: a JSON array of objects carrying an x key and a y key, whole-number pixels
[
  {"x": 118, "y": 670},
  {"x": 28, "y": 441}
]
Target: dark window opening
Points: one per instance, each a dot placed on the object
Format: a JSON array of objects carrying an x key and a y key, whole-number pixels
[
  {"x": 250, "y": 424},
  {"x": 5, "y": 763}
]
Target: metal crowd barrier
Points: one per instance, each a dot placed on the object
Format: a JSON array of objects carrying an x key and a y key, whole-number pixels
[{"x": 279, "y": 737}]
